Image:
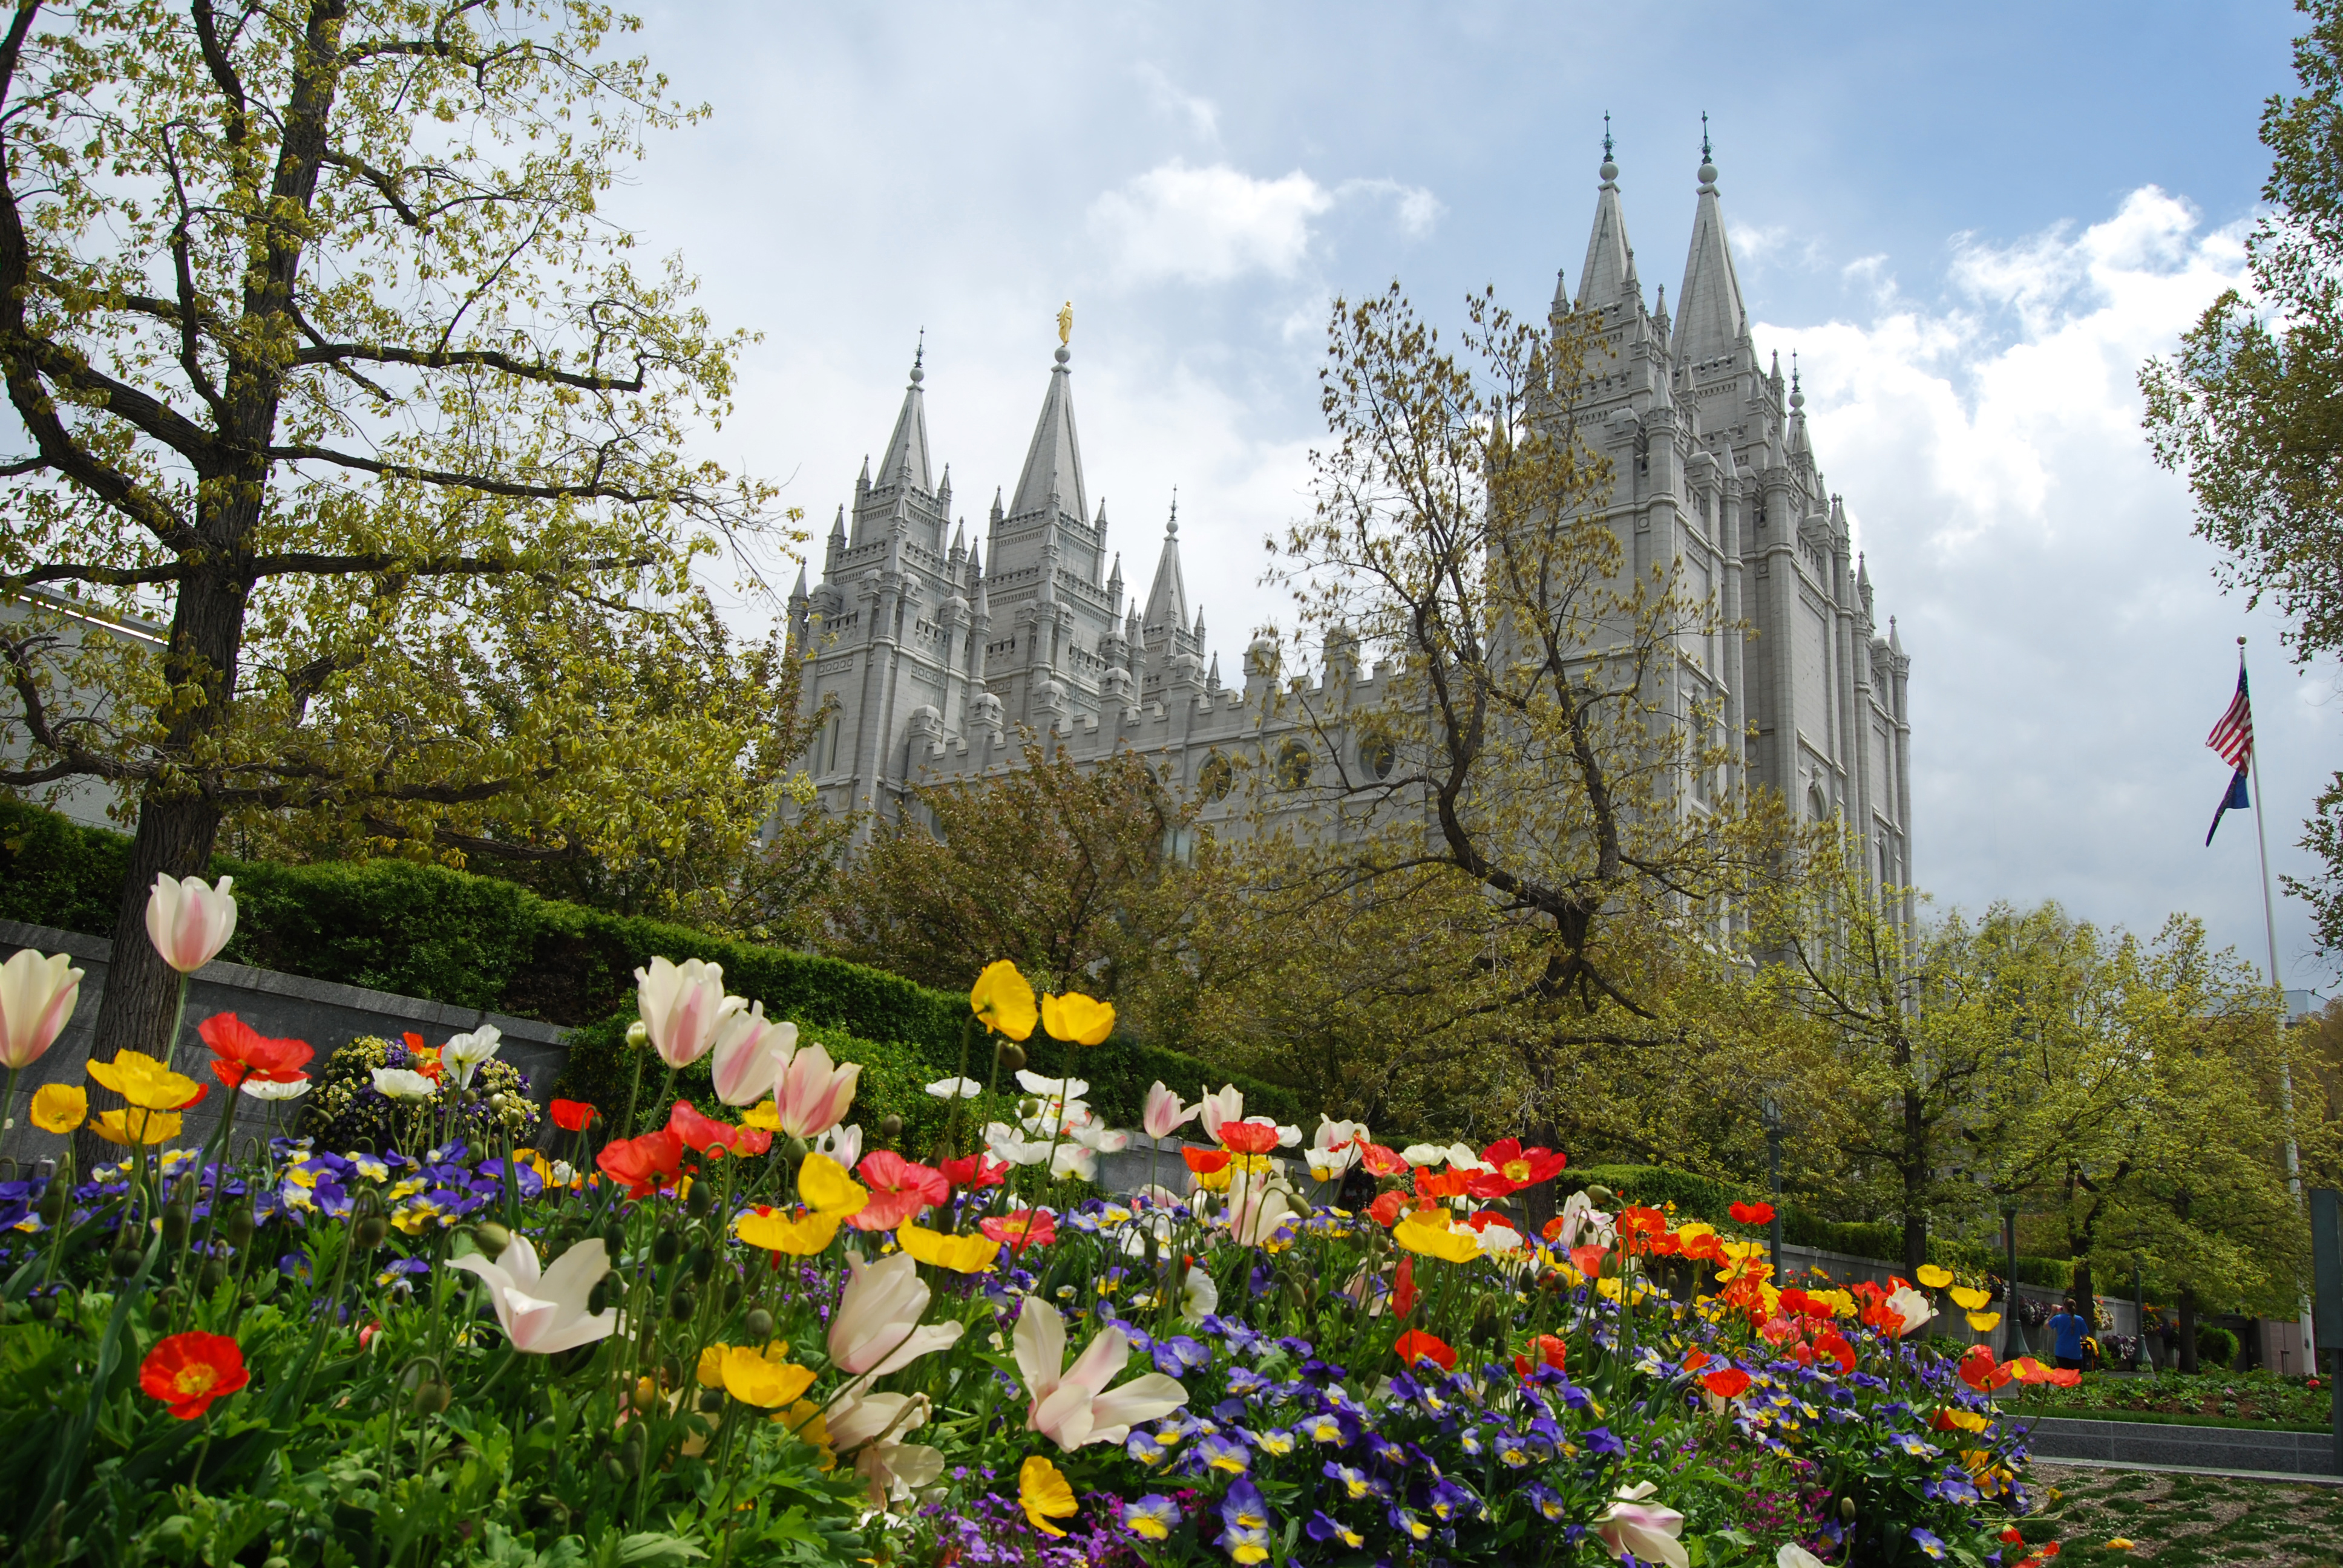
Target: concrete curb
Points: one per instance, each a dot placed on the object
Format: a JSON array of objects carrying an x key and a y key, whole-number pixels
[{"x": 2223, "y": 1448}]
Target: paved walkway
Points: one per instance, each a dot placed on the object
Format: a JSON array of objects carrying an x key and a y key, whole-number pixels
[{"x": 2299, "y": 1479}]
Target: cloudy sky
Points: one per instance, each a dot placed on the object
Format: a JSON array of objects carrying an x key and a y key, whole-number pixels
[{"x": 1971, "y": 223}]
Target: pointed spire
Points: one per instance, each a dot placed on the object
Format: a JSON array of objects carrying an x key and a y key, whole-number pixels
[
  {"x": 906, "y": 462},
  {"x": 1200, "y": 623},
  {"x": 1710, "y": 319},
  {"x": 996, "y": 503},
  {"x": 799, "y": 592},
  {"x": 1609, "y": 263},
  {"x": 837, "y": 526},
  {"x": 1114, "y": 587},
  {"x": 1053, "y": 463},
  {"x": 1894, "y": 640},
  {"x": 863, "y": 483},
  {"x": 1167, "y": 600},
  {"x": 1561, "y": 306},
  {"x": 1213, "y": 677},
  {"x": 959, "y": 538}
]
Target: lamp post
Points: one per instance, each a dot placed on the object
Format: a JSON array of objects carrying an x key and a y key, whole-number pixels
[
  {"x": 1772, "y": 1114},
  {"x": 2013, "y": 1336},
  {"x": 2139, "y": 1319}
]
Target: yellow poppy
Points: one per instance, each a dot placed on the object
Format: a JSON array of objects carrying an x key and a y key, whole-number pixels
[
  {"x": 146, "y": 1082},
  {"x": 960, "y": 1254},
  {"x": 1968, "y": 1298},
  {"x": 827, "y": 1189},
  {"x": 1840, "y": 1303},
  {"x": 1426, "y": 1231},
  {"x": 766, "y": 1379},
  {"x": 1985, "y": 1322},
  {"x": 799, "y": 1235},
  {"x": 765, "y": 1113},
  {"x": 59, "y": 1107},
  {"x": 1044, "y": 1493},
  {"x": 1083, "y": 1020},
  {"x": 133, "y": 1127},
  {"x": 1935, "y": 1278},
  {"x": 1003, "y": 1002}
]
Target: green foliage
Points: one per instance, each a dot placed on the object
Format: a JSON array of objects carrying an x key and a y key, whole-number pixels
[
  {"x": 2216, "y": 1346},
  {"x": 57, "y": 872},
  {"x": 346, "y": 1113}
]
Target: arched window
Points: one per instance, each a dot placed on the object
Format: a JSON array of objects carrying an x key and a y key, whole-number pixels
[
  {"x": 1377, "y": 755},
  {"x": 1817, "y": 807},
  {"x": 1293, "y": 765},
  {"x": 1216, "y": 777}
]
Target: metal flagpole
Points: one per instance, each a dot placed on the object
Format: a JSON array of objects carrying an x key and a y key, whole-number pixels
[{"x": 2285, "y": 1069}]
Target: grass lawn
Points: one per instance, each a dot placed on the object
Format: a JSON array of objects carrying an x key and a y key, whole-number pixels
[
  {"x": 2256, "y": 1398},
  {"x": 2187, "y": 1520}
]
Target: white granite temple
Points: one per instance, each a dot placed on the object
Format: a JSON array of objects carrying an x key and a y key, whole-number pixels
[{"x": 939, "y": 652}]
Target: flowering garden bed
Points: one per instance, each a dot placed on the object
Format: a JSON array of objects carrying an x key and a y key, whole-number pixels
[
  {"x": 752, "y": 1334},
  {"x": 2229, "y": 1399}
]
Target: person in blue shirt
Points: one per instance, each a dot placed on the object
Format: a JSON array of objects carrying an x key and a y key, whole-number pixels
[{"x": 2069, "y": 1327}]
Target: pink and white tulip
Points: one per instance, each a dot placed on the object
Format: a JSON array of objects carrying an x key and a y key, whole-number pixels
[
  {"x": 1912, "y": 1307},
  {"x": 189, "y": 921},
  {"x": 868, "y": 1427},
  {"x": 1226, "y": 1104},
  {"x": 1645, "y": 1529},
  {"x": 683, "y": 1005},
  {"x": 876, "y": 1329},
  {"x": 749, "y": 1055},
  {"x": 815, "y": 1093},
  {"x": 1072, "y": 1405},
  {"x": 543, "y": 1313},
  {"x": 1163, "y": 1115},
  {"x": 37, "y": 996}
]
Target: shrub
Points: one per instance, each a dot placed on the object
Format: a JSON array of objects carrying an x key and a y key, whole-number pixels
[
  {"x": 346, "y": 1113},
  {"x": 2216, "y": 1346}
]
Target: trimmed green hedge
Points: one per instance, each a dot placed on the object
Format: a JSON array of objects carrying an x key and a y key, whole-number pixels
[{"x": 478, "y": 943}]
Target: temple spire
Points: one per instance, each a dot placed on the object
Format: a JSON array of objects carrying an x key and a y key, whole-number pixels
[
  {"x": 1605, "y": 277},
  {"x": 1710, "y": 319},
  {"x": 1167, "y": 600},
  {"x": 906, "y": 462},
  {"x": 1053, "y": 463}
]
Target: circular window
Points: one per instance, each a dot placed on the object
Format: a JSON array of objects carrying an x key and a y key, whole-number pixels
[
  {"x": 1377, "y": 755},
  {"x": 1293, "y": 765},
  {"x": 1216, "y": 777}
]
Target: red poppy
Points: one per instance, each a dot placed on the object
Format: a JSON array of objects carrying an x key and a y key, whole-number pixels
[
  {"x": 240, "y": 1051},
  {"x": 573, "y": 1115},
  {"x": 1587, "y": 1260},
  {"x": 1387, "y": 1208},
  {"x": 1777, "y": 1330},
  {"x": 1833, "y": 1343},
  {"x": 1977, "y": 1369},
  {"x": 1416, "y": 1346},
  {"x": 1204, "y": 1162},
  {"x": 1432, "y": 1188},
  {"x": 1020, "y": 1228},
  {"x": 1249, "y": 1137},
  {"x": 424, "y": 1058},
  {"x": 1706, "y": 1247},
  {"x": 898, "y": 1190},
  {"x": 1727, "y": 1384},
  {"x": 1635, "y": 1223},
  {"x": 1552, "y": 1349},
  {"x": 1754, "y": 1213},
  {"x": 976, "y": 1171},
  {"x": 1380, "y": 1160},
  {"x": 646, "y": 1163},
  {"x": 708, "y": 1136},
  {"x": 1516, "y": 1167},
  {"x": 1696, "y": 1359},
  {"x": 187, "y": 1372},
  {"x": 1403, "y": 1287},
  {"x": 1796, "y": 1302}
]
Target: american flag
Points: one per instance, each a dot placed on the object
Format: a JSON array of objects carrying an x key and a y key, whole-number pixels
[{"x": 2233, "y": 738}]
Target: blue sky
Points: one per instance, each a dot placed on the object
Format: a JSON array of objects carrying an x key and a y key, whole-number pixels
[{"x": 1971, "y": 223}]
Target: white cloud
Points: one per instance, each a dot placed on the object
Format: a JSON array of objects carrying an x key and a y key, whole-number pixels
[
  {"x": 1207, "y": 225},
  {"x": 2071, "y": 647},
  {"x": 1202, "y": 114},
  {"x": 1216, "y": 224}
]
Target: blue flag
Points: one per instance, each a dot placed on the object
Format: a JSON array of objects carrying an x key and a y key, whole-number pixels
[{"x": 2233, "y": 800}]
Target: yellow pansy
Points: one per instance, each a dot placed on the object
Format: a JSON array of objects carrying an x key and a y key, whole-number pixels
[
  {"x": 960, "y": 1254},
  {"x": 135, "y": 1127},
  {"x": 1002, "y": 1001},
  {"x": 1968, "y": 1298},
  {"x": 1081, "y": 1020},
  {"x": 800, "y": 1235},
  {"x": 827, "y": 1189},
  {"x": 59, "y": 1107},
  {"x": 1935, "y": 1278},
  {"x": 1426, "y": 1231},
  {"x": 146, "y": 1082}
]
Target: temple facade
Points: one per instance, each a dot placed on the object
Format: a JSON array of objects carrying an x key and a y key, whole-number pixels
[{"x": 939, "y": 653}]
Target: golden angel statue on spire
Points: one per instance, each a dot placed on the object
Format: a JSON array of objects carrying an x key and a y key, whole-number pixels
[{"x": 1065, "y": 323}]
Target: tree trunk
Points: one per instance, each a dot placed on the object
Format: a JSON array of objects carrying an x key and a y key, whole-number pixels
[
  {"x": 2085, "y": 1297},
  {"x": 2188, "y": 1330},
  {"x": 1916, "y": 1185},
  {"x": 141, "y": 992}
]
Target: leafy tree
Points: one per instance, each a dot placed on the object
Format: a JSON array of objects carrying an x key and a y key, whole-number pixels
[
  {"x": 323, "y": 354},
  {"x": 1536, "y": 740},
  {"x": 2250, "y": 411}
]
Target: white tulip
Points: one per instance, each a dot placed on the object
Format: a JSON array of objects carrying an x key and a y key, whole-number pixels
[
  {"x": 37, "y": 997},
  {"x": 682, "y": 1005},
  {"x": 465, "y": 1052},
  {"x": 189, "y": 921},
  {"x": 749, "y": 1055},
  {"x": 545, "y": 1314}
]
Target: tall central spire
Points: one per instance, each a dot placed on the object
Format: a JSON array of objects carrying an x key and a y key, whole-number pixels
[
  {"x": 1607, "y": 276},
  {"x": 1053, "y": 463},
  {"x": 906, "y": 462},
  {"x": 1709, "y": 313}
]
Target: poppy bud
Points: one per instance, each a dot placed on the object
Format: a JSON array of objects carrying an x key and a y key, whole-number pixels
[
  {"x": 368, "y": 1232},
  {"x": 549, "y": 1512},
  {"x": 431, "y": 1397},
  {"x": 211, "y": 1276},
  {"x": 1488, "y": 1324},
  {"x": 732, "y": 1293},
  {"x": 184, "y": 1191},
  {"x": 247, "y": 1302},
  {"x": 758, "y": 1325},
  {"x": 670, "y": 1376},
  {"x": 1847, "y": 1509},
  {"x": 701, "y": 1264},
  {"x": 614, "y": 1467},
  {"x": 52, "y": 1200},
  {"x": 1599, "y": 1194},
  {"x": 277, "y": 1563},
  {"x": 666, "y": 1247},
  {"x": 598, "y": 1300},
  {"x": 124, "y": 1261},
  {"x": 174, "y": 1222},
  {"x": 491, "y": 1238},
  {"x": 639, "y": 1035},
  {"x": 1012, "y": 1055},
  {"x": 683, "y": 1305},
  {"x": 891, "y": 1128},
  {"x": 45, "y": 1308},
  {"x": 239, "y": 1226},
  {"x": 699, "y": 1202},
  {"x": 794, "y": 1150},
  {"x": 711, "y": 1400}
]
